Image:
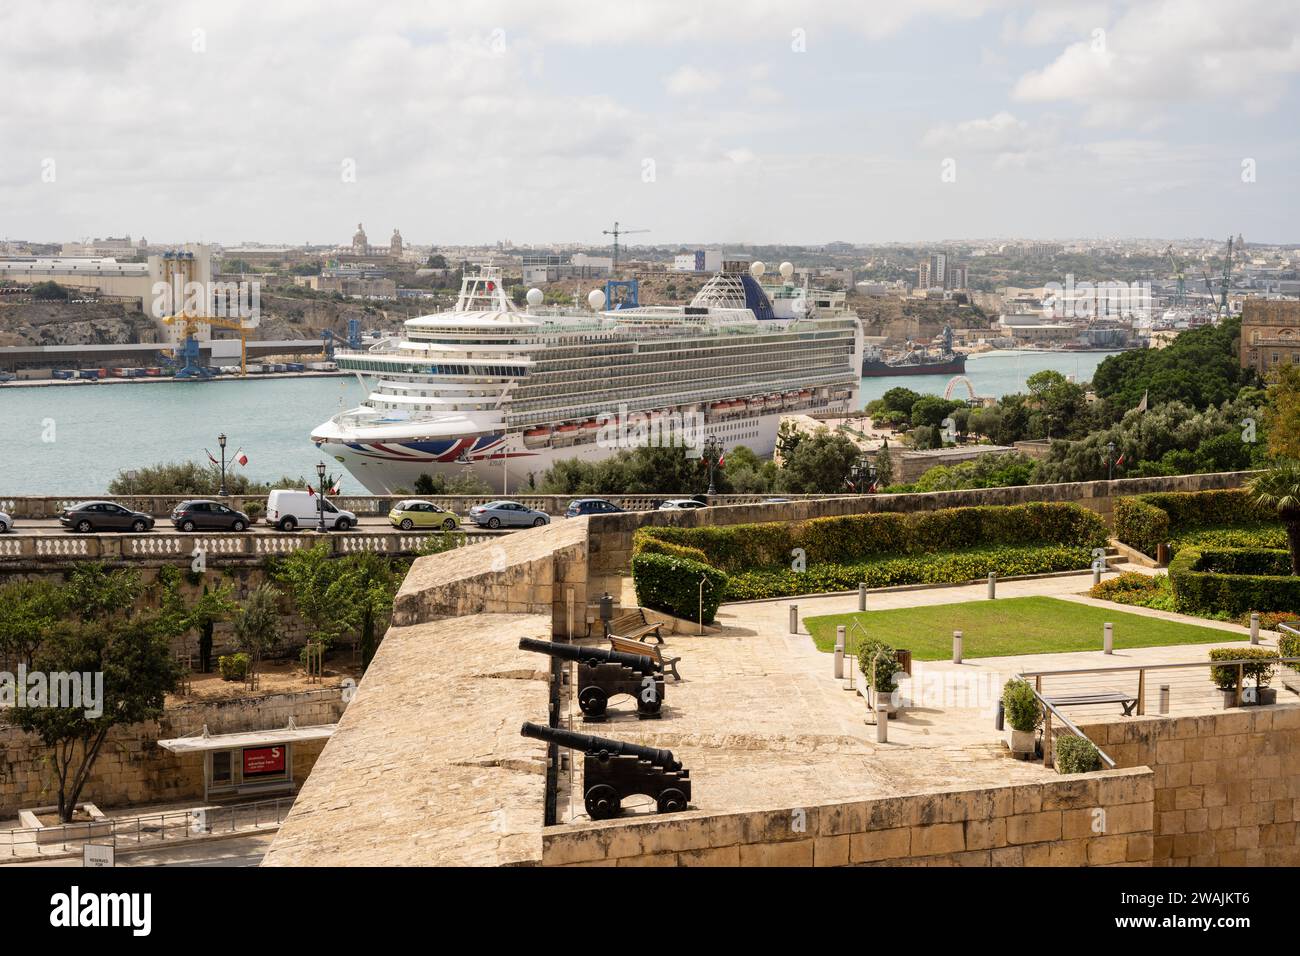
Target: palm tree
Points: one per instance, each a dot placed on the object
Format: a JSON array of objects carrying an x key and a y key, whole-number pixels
[{"x": 1278, "y": 490}]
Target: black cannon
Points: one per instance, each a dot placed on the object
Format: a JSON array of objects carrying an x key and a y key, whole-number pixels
[
  {"x": 604, "y": 674},
  {"x": 613, "y": 769}
]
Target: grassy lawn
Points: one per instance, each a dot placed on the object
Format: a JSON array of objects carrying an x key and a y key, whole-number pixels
[{"x": 1011, "y": 626}]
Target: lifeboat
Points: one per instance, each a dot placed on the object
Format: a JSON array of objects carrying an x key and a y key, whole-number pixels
[
  {"x": 719, "y": 406},
  {"x": 566, "y": 429},
  {"x": 537, "y": 436}
]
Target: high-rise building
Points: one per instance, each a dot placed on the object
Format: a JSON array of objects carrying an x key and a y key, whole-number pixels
[{"x": 940, "y": 272}]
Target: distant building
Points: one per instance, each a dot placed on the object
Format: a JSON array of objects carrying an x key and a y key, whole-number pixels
[
  {"x": 940, "y": 272},
  {"x": 395, "y": 245},
  {"x": 701, "y": 260},
  {"x": 360, "y": 245},
  {"x": 1270, "y": 333}
]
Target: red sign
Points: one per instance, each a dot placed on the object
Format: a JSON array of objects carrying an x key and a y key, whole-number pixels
[{"x": 263, "y": 761}]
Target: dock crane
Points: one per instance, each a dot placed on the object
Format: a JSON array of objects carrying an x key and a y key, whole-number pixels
[
  {"x": 616, "y": 232},
  {"x": 1222, "y": 308},
  {"x": 188, "y": 328},
  {"x": 1180, "y": 296}
]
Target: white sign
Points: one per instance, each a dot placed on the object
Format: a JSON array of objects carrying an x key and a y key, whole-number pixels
[{"x": 97, "y": 855}]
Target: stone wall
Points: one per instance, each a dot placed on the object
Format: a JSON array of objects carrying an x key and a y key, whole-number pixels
[
  {"x": 610, "y": 546},
  {"x": 1227, "y": 785},
  {"x": 1057, "y": 823},
  {"x": 133, "y": 769}
]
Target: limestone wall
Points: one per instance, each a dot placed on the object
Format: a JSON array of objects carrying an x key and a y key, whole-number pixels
[
  {"x": 132, "y": 768},
  {"x": 1102, "y": 819},
  {"x": 1227, "y": 785}
]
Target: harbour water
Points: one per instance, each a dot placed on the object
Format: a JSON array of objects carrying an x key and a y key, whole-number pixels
[{"x": 74, "y": 439}]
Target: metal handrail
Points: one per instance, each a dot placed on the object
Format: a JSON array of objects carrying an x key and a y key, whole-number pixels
[
  {"x": 1069, "y": 725},
  {"x": 1155, "y": 667}
]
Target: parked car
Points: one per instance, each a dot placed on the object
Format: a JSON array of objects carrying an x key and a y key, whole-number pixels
[
  {"x": 507, "y": 514},
  {"x": 289, "y": 510},
  {"x": 6, "y": 523},
  {"x": 88, "y": 516},
  {"x": 681, "y": 504},
  {"x": 203, "y": 515},
  {"x": 591, "y": 506},
  {"x": 414, "y": 513}
]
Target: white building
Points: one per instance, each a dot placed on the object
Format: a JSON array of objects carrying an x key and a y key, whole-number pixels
[{"x": 701, "y": 260}]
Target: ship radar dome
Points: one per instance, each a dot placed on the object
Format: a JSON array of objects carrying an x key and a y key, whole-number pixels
[
  {"x": 595, "y": 299},
  {"x": 535, "y": 297},
  {"x": 756, "y": 269},
  {"x": 787, "y": 270}
]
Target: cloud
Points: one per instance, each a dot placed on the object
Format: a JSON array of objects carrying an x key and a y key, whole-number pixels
[
  {"x": 998, "y": 132},
  {"x": 688, "y": 81}
]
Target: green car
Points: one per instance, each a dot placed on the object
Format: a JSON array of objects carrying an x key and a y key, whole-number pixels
[{"x": 421, "y": 514}]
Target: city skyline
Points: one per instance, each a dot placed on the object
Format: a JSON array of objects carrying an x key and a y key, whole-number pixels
[{"x": 763, "y": 124}]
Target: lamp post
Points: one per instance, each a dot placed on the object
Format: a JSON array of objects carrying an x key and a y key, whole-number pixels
[
  {"x": 221, "y": 440},
  {"x": 712, "y": 452},
  {"x": 860, "y": 472},
  {"x": 1110, "y": 461},
  {"x": 320, "y": 497}
]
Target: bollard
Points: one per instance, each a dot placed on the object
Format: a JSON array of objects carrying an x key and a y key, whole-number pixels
[
  {"x": 862, "y": 596},
  {"x": 1254, "y": 627},
  {"x": 993, "y": 585},
  {"x": 882, "y": 721},
  {"x": 1108, "y": 639},
  {"x": 839, "y": 652},
  {"x": 794, "y": 618},
  {"x": 956, "y": 647},
  {"x": 1164, "y": 698},
  {"x": 1096, "y": 575}
]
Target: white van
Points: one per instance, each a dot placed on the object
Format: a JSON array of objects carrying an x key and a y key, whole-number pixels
[{"x": 288, "y": 510}]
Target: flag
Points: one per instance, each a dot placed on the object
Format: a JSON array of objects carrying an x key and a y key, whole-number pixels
[
  {"x": 1142, "y": 405},
  {"x": 334, "y": 489},
  {"x": 1119, "y": 461},
  {"x": 311, "y": 490},
  {"x": 210, "y": 458},
  {"x": 722, "y": 459},
  {"x": 242, "y": 459}
]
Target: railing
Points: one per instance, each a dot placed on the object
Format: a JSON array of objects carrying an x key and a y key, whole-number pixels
[
  {"x": 166, "y": 827},
  {"x": 1050, "y": 711}
]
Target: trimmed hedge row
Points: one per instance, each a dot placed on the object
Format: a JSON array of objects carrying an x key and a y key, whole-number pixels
[
  {"x": 672, "y": 585},
  {"x": 851, "y": 539},
  {"x": 655, "y": 546},
  {"x": 1207, "y": 582},
  {"x": 1144, "y": 521},
  {"x": 950, "y": 568}
]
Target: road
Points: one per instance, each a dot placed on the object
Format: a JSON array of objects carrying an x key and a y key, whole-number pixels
[
  {"x": 233, "y": 851},
  {"x": 52, "y": 526}
]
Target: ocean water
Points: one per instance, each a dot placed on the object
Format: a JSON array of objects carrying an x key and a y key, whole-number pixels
[{"x": 71, "y": 440}]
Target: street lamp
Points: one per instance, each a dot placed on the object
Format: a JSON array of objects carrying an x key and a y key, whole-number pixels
[
  {"x": 221, "y": 440},
  {"x": 1110, "y": 461},
  {"x": 320, "y": 497},
  {"x": 859, "y": 471},
  {"x": 712, "y": 452}
]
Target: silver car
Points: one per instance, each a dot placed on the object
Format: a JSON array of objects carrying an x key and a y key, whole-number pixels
[
  {"x": 6, "y": 523},
  {"x": 507, "y": 514}
]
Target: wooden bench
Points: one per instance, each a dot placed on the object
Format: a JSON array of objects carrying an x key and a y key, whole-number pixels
[
  {"x": 629, "y": 646},
  {"x": 1127, "y": 701},
  {"x": 634, "y": 626}
]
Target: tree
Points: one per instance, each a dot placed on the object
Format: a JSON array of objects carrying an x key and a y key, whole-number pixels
[
  {"x": 320, "y": 589},
  {"x": 374, "y": 586},
  {"x": 182, "y": 478},
  {"x": 884, "y": 466},
  {"x": 1283, "y": 414},
  {"x": 49, "y": 292},
  {"x": 138, "y": 670},
  {"x": 749, "y": 474},
  {"x": 1278, "y": 489},
  {"x": 467, "y": 483},
  {"x": 96, "y": 595},
  {"x": 900, "y": 399},
  {"x": 28, "y": 610},
  {"x": 819, "y": 465},
  {"x": 257, "y": 625}
]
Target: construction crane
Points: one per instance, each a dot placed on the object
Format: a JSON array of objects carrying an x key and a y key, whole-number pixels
[
  {"x": 616, "y": 232},
  {"x": 1221, "y": 310},
  {"x": 188, "y": 328},
  {"x": 1181, "y": 295}
]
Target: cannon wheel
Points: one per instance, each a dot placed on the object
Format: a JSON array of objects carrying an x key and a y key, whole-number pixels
[
  {"x": 670, "y": 801},
  {"x": 592, "y": 701},
  {"x": 602, "y": 802}
]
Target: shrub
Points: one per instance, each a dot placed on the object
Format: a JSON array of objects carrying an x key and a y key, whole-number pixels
[
  {"x": 1260, "y": 671},
  {"x": 1076, "y": 754},
  {"x": 648, "y": 545},
  {"x": 849, "y": 539},
  {"x": 1262, "y": 536},
  {"x": 233, "y": 666},
  {"x": 1288, "y": 644},
  {"x": 878, "y": 663},
  {"x": 1200, "y": 509},
  {"x": 1020, "y": 706},
  {"x": 253, "y": 509},
  {"x": 1140, "y": 525},
  {"x": 1233, "y": 581},
  {"x": 672, "y": 585}
]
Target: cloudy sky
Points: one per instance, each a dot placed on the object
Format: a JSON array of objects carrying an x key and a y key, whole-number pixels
[{"x": 700, "y": 120}]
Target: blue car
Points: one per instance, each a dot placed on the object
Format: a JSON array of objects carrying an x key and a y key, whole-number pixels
[{"x": 507, "y": 514}]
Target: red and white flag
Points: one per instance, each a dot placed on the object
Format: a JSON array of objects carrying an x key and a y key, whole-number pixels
[
  {"x": 334, "y": 489},
  {"x": 311, "y": 490},
  {"x": 242, "y": 459},
  {"x": 210, "y": 458},
  {"x": 722, "y": 459},
  {"x": 1119, "y": 461}
]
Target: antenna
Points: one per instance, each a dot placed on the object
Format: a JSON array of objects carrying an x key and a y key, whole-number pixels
[{"x": 616, "y": 232}]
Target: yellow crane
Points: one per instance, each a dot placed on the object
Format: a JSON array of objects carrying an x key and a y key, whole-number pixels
[{"x": 187, "y": 329}]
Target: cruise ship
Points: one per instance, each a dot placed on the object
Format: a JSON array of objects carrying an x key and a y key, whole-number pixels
[{"x": 506, "y": 392}]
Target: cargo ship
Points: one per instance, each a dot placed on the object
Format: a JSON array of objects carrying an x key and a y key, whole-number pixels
[{"x": 915, "y": 361}]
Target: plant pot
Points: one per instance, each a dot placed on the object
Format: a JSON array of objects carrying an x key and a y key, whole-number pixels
[
  {"x": 1022, "y": 741},
  {"x": 891, "y": 708},
  {"x": 1267, "y": 695},
  {"x": 1229, "y": 698}
]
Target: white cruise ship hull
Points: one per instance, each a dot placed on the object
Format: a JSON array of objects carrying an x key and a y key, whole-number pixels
[{"x": 392, "y": 466}]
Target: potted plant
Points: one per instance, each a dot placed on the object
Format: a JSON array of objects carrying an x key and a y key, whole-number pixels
[
  {"x": 1075, "y": 754},
  {"x": 1023, "y": 714},
  {"x": 879, "y": 665},
  {"x": 1260, "y": 667}
]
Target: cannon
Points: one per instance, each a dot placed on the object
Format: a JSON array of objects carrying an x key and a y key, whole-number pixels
[
  {"x": 604, "y": 674},
  {"x": 614, "y": 769}
]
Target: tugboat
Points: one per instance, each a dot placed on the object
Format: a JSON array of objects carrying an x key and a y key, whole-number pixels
[{"x": 915, "y": 361}]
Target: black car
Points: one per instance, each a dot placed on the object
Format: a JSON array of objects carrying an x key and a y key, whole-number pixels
[
  {"x": 201, "y": 515},
  {"x": 104, "y": 516},
  {"x": 591, "y": 506}
]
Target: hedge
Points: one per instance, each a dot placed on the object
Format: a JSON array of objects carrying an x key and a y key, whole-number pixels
[
  {"x": 851, "y": 539},
  {"x": 1261, "y": 672},
  {"x": 672, "y": 585},
  {"x": 951, "y": 568},
  {"x": 1076, "y": 754},
  {"x": 1145, "y": 521},
  {"x": 655, "y": 546},
  {"x": 1234, "y": 581}
]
